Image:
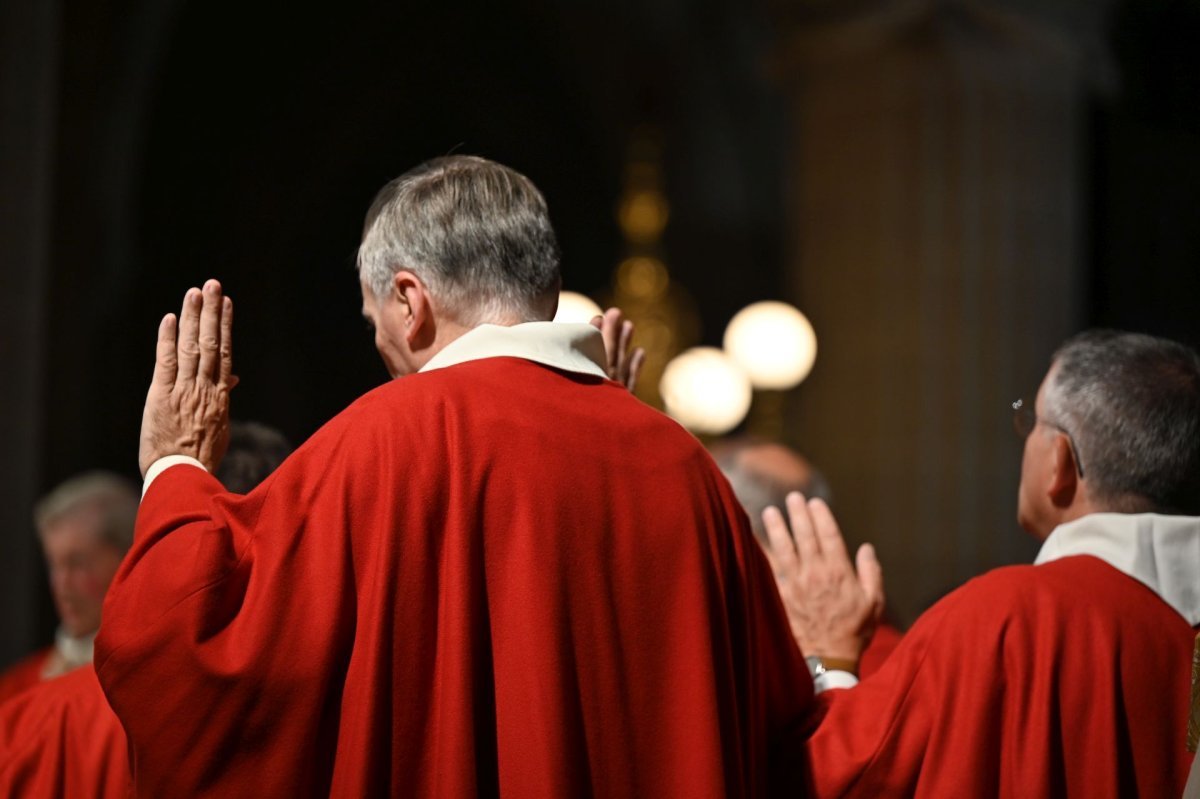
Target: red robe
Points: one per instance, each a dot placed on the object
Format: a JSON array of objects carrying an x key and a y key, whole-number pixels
[
  {"x": 61, "y": 739},
  {"x": 1065, "y": 679},
  {"x": 885, "y": 639},
  {"x": 491, "y": 578},
  {"x": 23, "y": 674}
]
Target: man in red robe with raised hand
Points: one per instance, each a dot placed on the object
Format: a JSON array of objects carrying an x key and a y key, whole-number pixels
[
  {"x": 1070, "y": 677},
  {"x": 499, "y": 574}
]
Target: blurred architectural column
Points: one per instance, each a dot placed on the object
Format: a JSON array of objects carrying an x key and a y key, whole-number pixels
[
  {"x": 936, "y": 204},
  {"x": 28, "y": 56}
]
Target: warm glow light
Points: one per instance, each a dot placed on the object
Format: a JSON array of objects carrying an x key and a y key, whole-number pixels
[
  {"x": 705, "y": 391},
  {"x": 574, "y": 307},
  {"x": 773, "y": 342}
]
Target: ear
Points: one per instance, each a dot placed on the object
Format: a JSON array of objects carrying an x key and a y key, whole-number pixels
[
  {"x": 413, "y": 302},
  {"x": 1063, "y": 483}
]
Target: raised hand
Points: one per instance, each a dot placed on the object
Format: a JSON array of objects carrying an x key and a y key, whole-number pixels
[
  {"x": 832, "y": 608},
  {"x": 187, "y": 406},
  {"x": 624, "y": 365}
]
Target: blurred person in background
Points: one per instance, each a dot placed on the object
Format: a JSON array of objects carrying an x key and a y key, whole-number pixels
[
  {"x": 85, "y": 526},
  {"x": 255, "y": 450}
]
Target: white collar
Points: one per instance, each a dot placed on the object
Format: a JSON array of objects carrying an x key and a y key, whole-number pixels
[
  {"x": 567, "y": 346},
  {"x": 1162, "y": 552},
  {"x": 75, "y": 651}
]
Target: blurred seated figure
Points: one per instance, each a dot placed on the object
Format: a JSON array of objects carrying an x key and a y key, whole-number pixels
[
  {"x": 59, "y": 739},
  {"x": 85, "y": 526},
  {"x": 762, "y": 474},
  {"x": 254, "y": 452}
]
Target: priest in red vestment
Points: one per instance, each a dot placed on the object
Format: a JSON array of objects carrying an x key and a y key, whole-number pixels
[
  {"x": 1070, "y": 677},
  {"x": 60, "y": 740},
  {"x": 84, "y": 526},
  {"x": 500, "y": 574}
]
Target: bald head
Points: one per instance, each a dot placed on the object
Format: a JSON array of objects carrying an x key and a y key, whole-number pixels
[{"x": 763, "y": 473}]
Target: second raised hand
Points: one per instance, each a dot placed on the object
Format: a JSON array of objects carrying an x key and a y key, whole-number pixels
[{"x": 832, "y": 606}]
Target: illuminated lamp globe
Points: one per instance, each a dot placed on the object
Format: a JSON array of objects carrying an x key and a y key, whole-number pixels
[
  {"x": 574, "y": 307},
  {"x": 705, "y": 391},
  {"x": 773, "y": 342}
]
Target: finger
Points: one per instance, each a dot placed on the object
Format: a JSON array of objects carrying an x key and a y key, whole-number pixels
[
  {"x": 635, "y": 367},
  {"x": 210, "y": 330},
  {"x": 870, "y": 577},
  {"x": 612, "y": 338},
  {"x": 781, "y": 550},
  {"x": 626, "y": 336},
  {"x": 597, "y": 322},
  {"x": 829, "y": 537},
  {"x": 807, "y": 545},
  {"x": 164, "y": 354},
  {"x": 226, "y": 377},
  {"x": 187, "y": 345}
]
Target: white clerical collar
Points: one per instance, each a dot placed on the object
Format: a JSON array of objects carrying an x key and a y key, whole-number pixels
[
  {"x": 75, "y": 651},
  {"x": 566, "y": 346},
  {"x": 1162, "y": 552}
]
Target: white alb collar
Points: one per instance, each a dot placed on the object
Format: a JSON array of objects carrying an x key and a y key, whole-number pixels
[
  {"x": 567, "y": 346},
  {"x": 75, "y": 651},
  {"x": 1162, "y": 552}
]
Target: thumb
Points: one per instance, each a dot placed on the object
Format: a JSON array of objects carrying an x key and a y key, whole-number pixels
[{"x": 870, "y": 576}]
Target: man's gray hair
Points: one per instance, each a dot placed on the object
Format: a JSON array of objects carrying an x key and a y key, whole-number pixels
[
  {"x": 111, "y": 499},
  {"x": 1132, "y": 404},
  {"x": 475, "y": 232}
]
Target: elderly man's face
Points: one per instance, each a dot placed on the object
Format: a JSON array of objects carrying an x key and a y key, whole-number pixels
[{"x": 81, "y": 566}]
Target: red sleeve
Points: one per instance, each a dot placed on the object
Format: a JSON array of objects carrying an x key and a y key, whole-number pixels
[
  {"x": 883, "y": 642},
  {"x": 212, "y": 642}
]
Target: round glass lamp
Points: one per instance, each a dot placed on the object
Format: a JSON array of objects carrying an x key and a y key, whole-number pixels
[
  {"x": 705, "y": 391},
  {"x": 575, "y": 307},
  {"x": 773, "y": 342}
]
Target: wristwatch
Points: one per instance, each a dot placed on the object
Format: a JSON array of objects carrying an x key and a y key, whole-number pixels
[{"x": 818, "y": 665}]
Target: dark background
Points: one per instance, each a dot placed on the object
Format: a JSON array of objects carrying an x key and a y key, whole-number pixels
[{"x": 150, "y": 145}]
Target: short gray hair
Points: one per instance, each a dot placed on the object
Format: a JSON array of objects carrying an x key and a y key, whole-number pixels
[
  {"x": 112, "y": 499},
  {"x": 1132, "y": 404},
  {"x": 475, "y": 232}
]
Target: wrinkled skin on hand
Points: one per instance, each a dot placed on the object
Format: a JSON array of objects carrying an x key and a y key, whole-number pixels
[
  {"x": 187, "y": 406},
  {"x": 832, "y": 606}
]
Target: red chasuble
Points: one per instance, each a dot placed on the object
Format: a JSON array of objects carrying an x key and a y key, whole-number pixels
[
  {"x": 491, "y": 578},
  {"x": 23, "y": 674},
  {"x": 60, "y": 740},
  {"x": 1065, "y": 679}
]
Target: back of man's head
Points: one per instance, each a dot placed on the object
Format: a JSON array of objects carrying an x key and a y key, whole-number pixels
[
  {"x": 255, "y": 450},
  {"x": 109, "y": 501},
  {"x": 1132, "y": 402},
  {"x": 762, "y": 474},
  {"x": 475, "y": 232}
]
